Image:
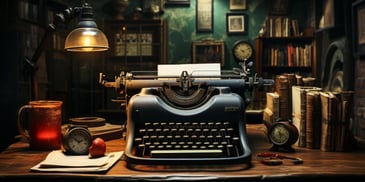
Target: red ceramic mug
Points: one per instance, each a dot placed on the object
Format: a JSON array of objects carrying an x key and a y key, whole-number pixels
[{"x": 44, "y": 127}]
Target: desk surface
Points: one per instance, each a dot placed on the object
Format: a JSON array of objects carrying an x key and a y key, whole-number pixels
[{"x": 16, "y": 161}]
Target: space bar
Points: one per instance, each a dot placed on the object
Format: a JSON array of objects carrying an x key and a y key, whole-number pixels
[{"x": 186, "y": 153}]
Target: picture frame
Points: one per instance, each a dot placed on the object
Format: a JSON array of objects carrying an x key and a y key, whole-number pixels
[
  {"x": 358, "y": 14},
  {"x": 208, "y": 51},
  {"x": 279, "y": 7},
  {"x": 177, "y": 2},
  {"x": 152, "y": 6},
  {"x": 204, "y": 15},
  {"x": 237, "y": 5},
  {"x": 133, "y": 44},
  {"x": 236, "y": 23}
]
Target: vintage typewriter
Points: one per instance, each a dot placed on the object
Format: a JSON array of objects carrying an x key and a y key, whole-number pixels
[{"x": 187, "y": 118}]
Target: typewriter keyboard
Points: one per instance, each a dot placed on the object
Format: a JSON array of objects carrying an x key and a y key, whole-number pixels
[{"x": 187, "y": 139}]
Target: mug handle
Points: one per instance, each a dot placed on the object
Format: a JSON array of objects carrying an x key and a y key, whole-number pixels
[{"x": 21, "y": 129}]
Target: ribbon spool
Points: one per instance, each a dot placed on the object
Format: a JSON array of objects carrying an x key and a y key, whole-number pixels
[{"x": 88, "y": 121}]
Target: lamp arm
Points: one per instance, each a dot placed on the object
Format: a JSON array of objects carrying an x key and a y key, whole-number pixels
[
  {"x": 31, "y": 64},
  {"x": 67, "y": 15}
]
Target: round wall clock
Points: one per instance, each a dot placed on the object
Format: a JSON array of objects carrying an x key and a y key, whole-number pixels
[{"x": 242, "y": 50}]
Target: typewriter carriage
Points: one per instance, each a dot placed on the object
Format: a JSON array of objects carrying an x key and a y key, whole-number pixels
[{"x": 185, "y": 86}]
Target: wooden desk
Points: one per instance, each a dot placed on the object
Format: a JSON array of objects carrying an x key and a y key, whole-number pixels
[{"x": 16, "y": 161}]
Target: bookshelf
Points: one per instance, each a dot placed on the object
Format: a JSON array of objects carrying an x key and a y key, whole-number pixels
[
  {"x": 24, "y": 24},
  {"x": 57, "y": 59},
  {"x": 28, "y": 21},
  {"x": 283, "y": 48},
  {"x": 283, "y": 55},
  {"x": 136, "y": 44},
  {"x": 277, "y": 55}
]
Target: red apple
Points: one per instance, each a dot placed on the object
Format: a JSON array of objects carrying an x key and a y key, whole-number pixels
[{"x": 97, "y": 148}]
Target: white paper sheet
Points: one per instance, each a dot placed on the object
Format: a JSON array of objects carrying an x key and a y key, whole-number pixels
[
  {"x": 203, "y": 69},
  {"x": 57, "y": 161}
]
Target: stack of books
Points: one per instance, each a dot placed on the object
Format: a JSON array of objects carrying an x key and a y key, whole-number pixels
[
  {"x": 323, "y": 118},
  {"x": 283, "y": 85},
  {"x": 299, "y": 111},
  {"x": 282, "y": 88},
  {"x": 281, "y": 26},
  {"x": 336, "y": 115}
]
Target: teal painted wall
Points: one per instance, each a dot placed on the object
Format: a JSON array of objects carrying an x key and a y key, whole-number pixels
[
  {"x": 182, "y": 27},
  {"x": 87, "y": 95}
]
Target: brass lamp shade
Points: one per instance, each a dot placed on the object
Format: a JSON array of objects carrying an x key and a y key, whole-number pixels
[
  {"x": 86, "y": 40},
  {"x": 86, "y": 37}
]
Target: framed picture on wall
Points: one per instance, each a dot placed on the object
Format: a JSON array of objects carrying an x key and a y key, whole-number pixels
[
  {"x": 278, "y": 7},
  {"x": 177, "y": 2},
  {"x": 208, "y": 51},
  {"x": 237, "y": 4},
  {"x": 358, "y": 10},
  {"x": 236, "y": 23},
  {"x": 152, "y": 6},
  {"x": 204, "y": 15}
]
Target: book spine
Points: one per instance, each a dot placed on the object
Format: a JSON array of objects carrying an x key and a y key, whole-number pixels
[
  {"x": 282, "y": 88},
  {"x": 313, "y": 122},
  {"x": 344, "y": 140},
  {"x": 325, "y": 133},
  {"x": 317, "y": 121},
  {"x": 299, "y": 113},
  {"x": 329, "y": 111},
  {"x": 302, "y": 129},
  {"x": 338, "y": 138},
  {"x": 292, "y": 81},
  {"x": 310, "y": 122}
]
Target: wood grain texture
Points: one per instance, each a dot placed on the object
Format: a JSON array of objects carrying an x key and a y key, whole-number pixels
[{"x": 318, "y": 165}]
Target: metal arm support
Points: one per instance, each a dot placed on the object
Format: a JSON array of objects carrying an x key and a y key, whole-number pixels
[{"x": 30, "y": 66}]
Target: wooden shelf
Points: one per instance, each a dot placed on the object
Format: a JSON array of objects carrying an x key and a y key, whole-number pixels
[
  {"x": 272, "y": 59},
  {"x": 138, "y": 44},
  {"x": 263, "y": 56}
]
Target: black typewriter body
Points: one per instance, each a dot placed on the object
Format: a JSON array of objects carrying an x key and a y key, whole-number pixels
[
  {"x": 186, "y": 119},
  {"x": 212, "y": 131}
]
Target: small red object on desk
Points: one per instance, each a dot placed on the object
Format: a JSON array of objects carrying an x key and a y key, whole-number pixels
[{"x": 269, "y": 158}]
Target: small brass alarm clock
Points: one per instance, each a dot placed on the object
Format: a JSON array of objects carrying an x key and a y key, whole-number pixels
[
  {"x": 76, "y": 140},
  {"x": 283, "y": 134}
]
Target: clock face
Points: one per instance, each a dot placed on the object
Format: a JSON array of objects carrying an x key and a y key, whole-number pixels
[
  {"x": 279, "y": 134},
  {"x": 242, "y": 50},
  {"x": 78, "y": 141}
]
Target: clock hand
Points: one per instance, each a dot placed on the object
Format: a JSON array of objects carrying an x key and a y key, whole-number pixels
[{"x": 78, "y": 140}]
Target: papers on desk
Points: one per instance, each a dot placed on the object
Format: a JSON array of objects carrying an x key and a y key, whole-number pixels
[{"x": 57, "y": 161}]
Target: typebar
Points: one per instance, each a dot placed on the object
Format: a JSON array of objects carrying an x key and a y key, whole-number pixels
[{"x": 208, "y": 153}]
